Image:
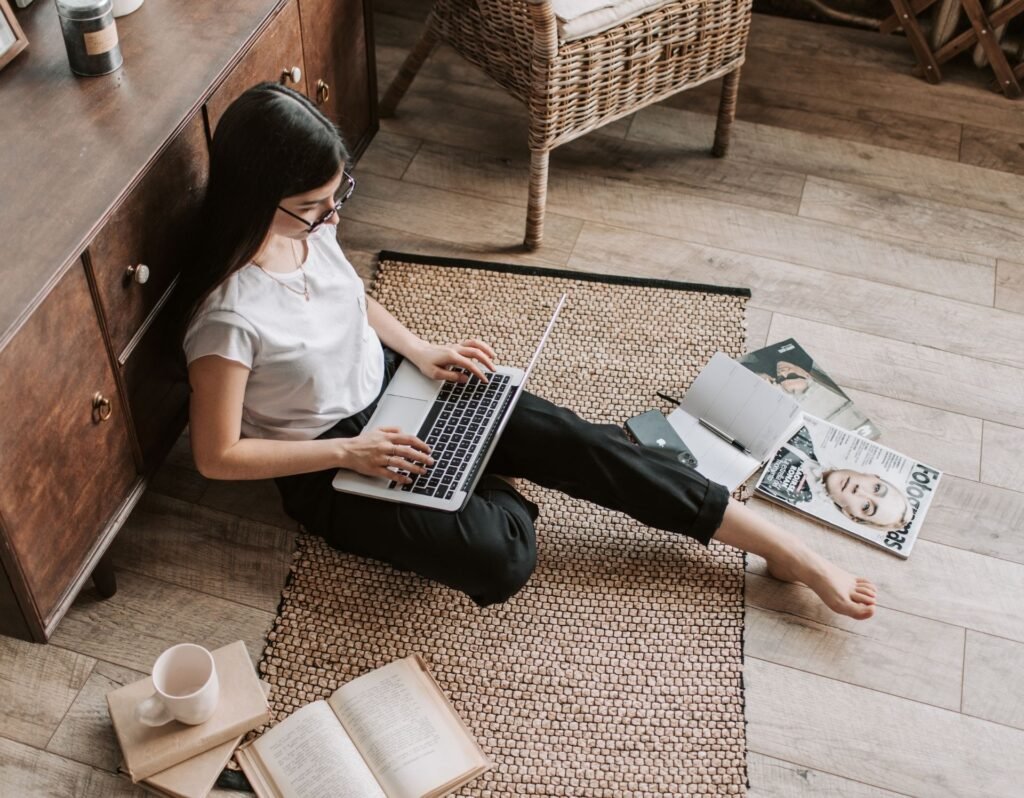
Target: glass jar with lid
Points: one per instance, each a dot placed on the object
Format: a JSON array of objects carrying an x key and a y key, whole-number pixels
[{"x": 90, "y": 36}]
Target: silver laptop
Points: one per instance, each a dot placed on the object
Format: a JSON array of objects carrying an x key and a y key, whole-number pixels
[{"x": 460, "y": 422}]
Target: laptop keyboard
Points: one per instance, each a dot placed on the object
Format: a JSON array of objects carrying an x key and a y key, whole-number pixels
[{"x": 453, "y": 430}]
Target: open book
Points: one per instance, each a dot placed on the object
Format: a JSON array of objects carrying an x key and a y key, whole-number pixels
[
  {"x": 390, "y": 733},
  {"x": 733, "y": 421},
  {"x": 788, "y": 366},
  {"x": 852, "y": 484}
]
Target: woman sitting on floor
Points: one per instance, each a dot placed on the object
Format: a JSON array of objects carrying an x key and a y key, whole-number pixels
[{"x": 287, "y": 357}]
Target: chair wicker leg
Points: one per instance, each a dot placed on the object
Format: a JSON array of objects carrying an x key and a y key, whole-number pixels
[
  {"x": 726, "y": 113},
  {"x": 410, "y": 67},
  {"x": 538, "y": 198}
]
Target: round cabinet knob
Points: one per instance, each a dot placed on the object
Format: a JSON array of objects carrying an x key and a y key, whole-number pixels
[
  {"x": 294, "y": 75},
  {"x": 323, "y": 92},
  {"x": 101, "y": 407},
  {"x": 139, "y": 273}
]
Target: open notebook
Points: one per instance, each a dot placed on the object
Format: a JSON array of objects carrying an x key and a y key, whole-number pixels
[{"x": 733, "y": 421}]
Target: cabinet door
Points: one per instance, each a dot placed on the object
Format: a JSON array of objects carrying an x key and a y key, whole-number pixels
[
  {"x": 66, "y": 461},
  {"x": 156, "y": 383},
  {"x": 275, "y": 56},
  {"x": 341, "y": 71},
  {"x": 137, "y": 254}
]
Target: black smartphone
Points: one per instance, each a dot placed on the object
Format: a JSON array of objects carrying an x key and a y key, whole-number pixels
[{"x": 652, "y": 429}]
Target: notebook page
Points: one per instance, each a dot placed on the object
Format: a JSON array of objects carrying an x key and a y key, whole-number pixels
[
  {"x": 716, "y": 459},
  {"x": 739, "y": 403}
]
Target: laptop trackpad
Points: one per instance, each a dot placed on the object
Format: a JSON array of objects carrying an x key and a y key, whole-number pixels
[{"x": 402, "y": 412}]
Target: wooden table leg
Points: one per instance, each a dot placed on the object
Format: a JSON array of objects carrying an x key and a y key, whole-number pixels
[
  {"x": 103, "y": 576},
  {"x": 986, "y": 38},
  {"x": 918, "y": 43}
]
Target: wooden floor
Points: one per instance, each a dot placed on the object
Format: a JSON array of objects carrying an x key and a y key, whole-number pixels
[{"x": 877, "y": 219}]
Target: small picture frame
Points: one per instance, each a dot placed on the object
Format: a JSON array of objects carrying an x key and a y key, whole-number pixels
[{"x": 12, "y": 38}]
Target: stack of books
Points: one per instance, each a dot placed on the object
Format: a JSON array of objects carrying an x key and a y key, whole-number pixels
[{"x": 184, "y": 761}]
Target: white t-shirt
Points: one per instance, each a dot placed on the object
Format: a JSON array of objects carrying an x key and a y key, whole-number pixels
[{"x": 311, "y": 363}]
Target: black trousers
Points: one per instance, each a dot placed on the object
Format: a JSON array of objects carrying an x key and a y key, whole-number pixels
[{"x": 489, "y": 549}]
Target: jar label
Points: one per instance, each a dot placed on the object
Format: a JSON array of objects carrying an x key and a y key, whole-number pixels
[{"x": 101, "y": 41}]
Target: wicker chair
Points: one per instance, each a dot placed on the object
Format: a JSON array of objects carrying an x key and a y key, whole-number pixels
[{"x": 573, "y": 87}]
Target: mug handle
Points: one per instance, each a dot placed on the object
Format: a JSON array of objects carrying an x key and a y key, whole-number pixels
[{"x": 153, "y": 712}]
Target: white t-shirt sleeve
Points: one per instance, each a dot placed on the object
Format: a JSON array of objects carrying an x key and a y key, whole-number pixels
[{"x": 223, "y": 333}]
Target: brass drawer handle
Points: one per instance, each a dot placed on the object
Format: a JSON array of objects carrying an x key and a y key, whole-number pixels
[
  {"x": 139, "y": 273},
  {"x": 294, "y": 75},
  {"x": 323, "y": 92},
  {"x": 101, "y": 407}
]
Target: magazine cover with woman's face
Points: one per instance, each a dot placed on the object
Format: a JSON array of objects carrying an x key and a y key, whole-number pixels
[{"x": 851, "y": 483}]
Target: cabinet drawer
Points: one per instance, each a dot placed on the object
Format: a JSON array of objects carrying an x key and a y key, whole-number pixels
[
  {"x": 156, "y": 383},
  {"x": 65, "y": 464},
  {"x": 148, "y": 230},
  {"x": 275, "y": 54}
]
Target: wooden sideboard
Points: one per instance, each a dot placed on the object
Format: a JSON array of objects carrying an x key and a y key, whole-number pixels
[{"x": 100, "y": 179}]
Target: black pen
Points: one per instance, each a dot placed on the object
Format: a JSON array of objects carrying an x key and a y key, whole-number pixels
[{"x": 731, "y": 441}]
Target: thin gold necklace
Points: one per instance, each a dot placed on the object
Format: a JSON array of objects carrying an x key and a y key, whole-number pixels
[{"x": 305, "y": 284}]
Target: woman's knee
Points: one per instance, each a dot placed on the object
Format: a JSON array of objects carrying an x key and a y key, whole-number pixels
[{"x": 503, "y": 555}]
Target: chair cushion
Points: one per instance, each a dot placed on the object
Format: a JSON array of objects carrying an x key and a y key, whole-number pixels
[{"x": 578, "y": 19}]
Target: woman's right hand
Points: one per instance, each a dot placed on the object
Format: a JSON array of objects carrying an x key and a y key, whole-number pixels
[{"x": 385, "y": 451}]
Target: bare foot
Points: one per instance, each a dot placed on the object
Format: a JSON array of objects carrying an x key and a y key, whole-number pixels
[{"x": 841, "y": 591}]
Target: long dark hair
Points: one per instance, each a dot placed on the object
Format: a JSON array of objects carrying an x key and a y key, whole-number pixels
[{"x": 269, "y": 144}]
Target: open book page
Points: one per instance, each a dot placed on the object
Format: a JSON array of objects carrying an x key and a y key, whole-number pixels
[
  {"x": 308, "y": 755},
  {"x": 406, "y": 731}
]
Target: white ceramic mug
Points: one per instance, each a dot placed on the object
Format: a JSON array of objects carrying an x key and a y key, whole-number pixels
[{"x": 186, "y": 685}]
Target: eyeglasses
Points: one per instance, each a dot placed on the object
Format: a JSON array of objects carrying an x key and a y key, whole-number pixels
[{"x": 315, "y": 225}]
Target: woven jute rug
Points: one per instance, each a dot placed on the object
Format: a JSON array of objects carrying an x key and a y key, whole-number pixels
[{"x": 617, "y": 670}]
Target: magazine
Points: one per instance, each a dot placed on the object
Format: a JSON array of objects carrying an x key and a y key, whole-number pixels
[
  {"x": 852, "y": 484},
  {"x": 788, "y": 366}
]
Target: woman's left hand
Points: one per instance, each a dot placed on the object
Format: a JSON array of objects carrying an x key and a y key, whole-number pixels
[{"x": 437, "y": 362}]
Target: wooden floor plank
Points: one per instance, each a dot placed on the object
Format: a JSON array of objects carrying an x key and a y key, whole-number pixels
[
  {"x": 685, "y": 167},
  {"x": 1001, "y": 462},
  {"x": 948, "y": 441},
  {"x": 390, "y": 154},
  {"x": 994, "y": 680},
  {"x": 758, "y": 323},
  {"x": 31, "y": 772},
  {"x": 1010, "y": 286},
  {"x": 962, "y": 98},
  {"x": 867, "y": 164},
  {"x": 927, "y": 221},
  {"x": 362, "y": 242},
  {"x": 834, "y": 117},
  {"x": 218, "y": 553},
  {"x": 810, "y": 293},
  {"x": 776, "y": 778},
  {"x": 892, "y": 743},
  {"x": 978, "y": 517},
  {"x": 710, "y": 222},
  {"x": 37, "y": 685},
  {"x": 993, "y": 149},
  {"x": 86, "y": 734},
  {"x": 939, "y": 582},
  {"x": 473, "y": 221},
  {"x": 255, "y": 499},
  {"x": 916, "y": 373},
  {"x": 893, "y": 652},
  {"x": 146, "y": 616}
]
